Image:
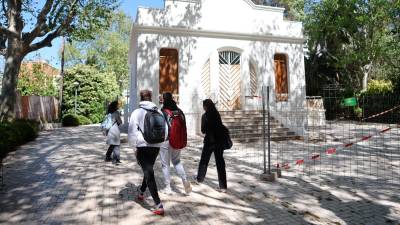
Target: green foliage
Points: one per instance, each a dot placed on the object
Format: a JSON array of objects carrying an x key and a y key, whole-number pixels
[
  {"x": 108, "y": 51},
  {"x": 294, "y": 8},
  {"x": 83, "y": 120},
  {"x": 358, "y": 112},
  {"x": 350, "y": 41},
  {"x": 36, "y": 82},
  {"x": 30, "y": 25},
  {"x": 70, "y": 120},
  {"x": 16, "y": 133},
  {"x": 379, "y": 87},
  {"x": 95, "y": 89},
  {"x": 98, "y": 111}
]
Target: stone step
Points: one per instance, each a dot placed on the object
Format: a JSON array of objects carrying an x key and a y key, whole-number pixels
[
  {"x": 253, "y": 127},
  {"x": 259, "y": 135},
  {"x": 259, "y": 139},
  {"x": 250, "y": 123},
  {"x": 240, "y": 112},
  {"x": 247, "y": 118},
  {"x": 246, "y": 126},
  {"x": 257, "y": 129}
]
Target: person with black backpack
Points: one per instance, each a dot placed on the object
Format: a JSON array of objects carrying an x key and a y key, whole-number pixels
[
  {"x": 170, "y": 151},
  {"x": 147, "y": 131},
  {"x": 216, "y": 140}
]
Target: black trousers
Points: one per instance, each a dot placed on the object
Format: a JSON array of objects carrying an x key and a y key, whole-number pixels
[
  {"x": 219, "y": 160},
  {"x": 110, "y": 151},
  {"x": 146, "y": 157}
]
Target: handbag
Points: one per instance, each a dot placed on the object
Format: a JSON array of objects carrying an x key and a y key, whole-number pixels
[{"x": 226, "y": 139}]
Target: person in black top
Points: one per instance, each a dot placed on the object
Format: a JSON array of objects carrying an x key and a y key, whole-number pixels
[{"x": 211, "y": 126}]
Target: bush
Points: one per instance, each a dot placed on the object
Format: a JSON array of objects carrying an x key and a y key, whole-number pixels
[
  {"x": 379, "y": 87},
  {"x": 95, "y": 88},
  {"x": 16, "y": 133},
  {"x": 83, "y": 120},
  {"x": 70, "y": 120}
]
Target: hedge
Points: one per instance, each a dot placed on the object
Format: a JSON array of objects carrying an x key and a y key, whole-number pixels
[
  {"x": 83, "y": 120},
  {"x": 70, "y": 120},
  {"x": 16, "y": 133}
]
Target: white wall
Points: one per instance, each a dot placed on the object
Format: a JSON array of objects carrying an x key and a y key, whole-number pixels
[{"x": 195, "y": 49}]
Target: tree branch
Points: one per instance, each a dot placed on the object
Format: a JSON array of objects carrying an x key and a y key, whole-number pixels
[
  {"x": 4, "y": 8},
  {"x": 41, "y": 21},
  {"x": 7, "y": 32},
  {"x": 46, "y": 42}
]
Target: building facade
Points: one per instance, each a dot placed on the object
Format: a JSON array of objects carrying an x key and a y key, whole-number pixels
[{"x": 226, "y": 50}]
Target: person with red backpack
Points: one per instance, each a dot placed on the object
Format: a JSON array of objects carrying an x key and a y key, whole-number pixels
[{"x": 170, "y": 151}]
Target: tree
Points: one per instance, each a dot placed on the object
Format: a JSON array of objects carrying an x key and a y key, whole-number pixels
[
  {"x": 294, "y": 8},
  {"x": 108, "y": 51},
  {"x": 95, "y": 89},
  {"x": 348, "y": 40},
  {"x": 26, "y": 26}
]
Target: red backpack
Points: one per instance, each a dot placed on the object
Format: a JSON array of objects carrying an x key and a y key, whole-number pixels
[{"x": 177, "y": 128}]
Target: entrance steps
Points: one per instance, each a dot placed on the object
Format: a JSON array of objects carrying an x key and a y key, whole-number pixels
[{"x": 246, "y": 126}]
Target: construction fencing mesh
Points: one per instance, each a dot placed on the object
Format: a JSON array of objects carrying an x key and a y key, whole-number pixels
[{"x": 332, "y": 139}]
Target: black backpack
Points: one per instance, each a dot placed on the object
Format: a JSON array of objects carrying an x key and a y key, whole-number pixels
[{"x": 154, "y": 127}]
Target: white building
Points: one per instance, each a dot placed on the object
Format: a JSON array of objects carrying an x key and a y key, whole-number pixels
[{"x": 225, "y": 50}]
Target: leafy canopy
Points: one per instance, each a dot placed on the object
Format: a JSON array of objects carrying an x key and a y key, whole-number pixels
[
  {"x": 94, "y": 91},
  {"x": 351, "y": 41},
  {"x": 108, "y": 51}
]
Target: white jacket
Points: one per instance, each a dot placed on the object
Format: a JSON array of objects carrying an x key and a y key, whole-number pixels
[{"x": 135, "y": 137}]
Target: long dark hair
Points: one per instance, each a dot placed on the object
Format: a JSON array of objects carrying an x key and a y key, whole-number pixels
[
  {"x": 168, "y": 102},
  {"x": 112, "y": 107},
  {"x": 212, "y": 113}
]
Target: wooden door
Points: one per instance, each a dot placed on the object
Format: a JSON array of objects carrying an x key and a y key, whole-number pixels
[
  {"x": 169, "y": 76},
  {"x": 281, "y": 78},
  {"x": 229, "y": 80}
]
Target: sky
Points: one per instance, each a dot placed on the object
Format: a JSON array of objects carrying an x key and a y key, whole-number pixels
[{"x": 128, "y": 6}]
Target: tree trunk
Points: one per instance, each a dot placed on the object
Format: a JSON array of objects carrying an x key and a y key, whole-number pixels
[
  {"x": 9, "y": 88},
  {"x": 15, "y": 54},
  {"x": 365, "y": 81},
  {"x": 365, "y": 70}
]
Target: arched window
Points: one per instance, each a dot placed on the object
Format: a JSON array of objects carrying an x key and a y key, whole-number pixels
[
  {"x": 229, "y": 58},
  {"x": 281, "y": 77}
]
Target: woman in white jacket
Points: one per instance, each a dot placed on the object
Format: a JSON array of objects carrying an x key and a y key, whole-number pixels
[
  {"x": 113, "y": 134},
  {"x": 146, "y": 153}
]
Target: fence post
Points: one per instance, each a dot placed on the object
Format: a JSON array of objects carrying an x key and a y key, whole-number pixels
[
  {"x": 267, "y": 175},
  {"x": 263, "y": 131},
  {"x": 2, "y": 173},
  {"x": 269, "y": 133}
]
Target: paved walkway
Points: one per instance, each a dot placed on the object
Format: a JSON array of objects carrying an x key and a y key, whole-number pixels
[{"x": 61, "y": 178}]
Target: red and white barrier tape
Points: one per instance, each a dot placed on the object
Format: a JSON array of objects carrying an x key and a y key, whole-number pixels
[
  {"x": 382, "y": 113},
  {"x": 334, "y": 150}
]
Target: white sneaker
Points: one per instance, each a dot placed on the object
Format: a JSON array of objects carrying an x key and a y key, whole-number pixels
[
  {"x": 188, "y": 187},
  {"x": 167, "y": 191}
]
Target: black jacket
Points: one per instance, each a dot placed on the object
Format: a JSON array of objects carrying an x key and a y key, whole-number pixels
[{"x": 211, "y": 126}]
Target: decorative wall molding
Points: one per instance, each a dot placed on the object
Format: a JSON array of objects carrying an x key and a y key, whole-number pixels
[
  {"x": 249, "y": 2},
  {"x": 181, "y": 31}
]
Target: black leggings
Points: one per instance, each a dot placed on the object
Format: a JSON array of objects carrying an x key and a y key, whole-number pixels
[
  {"x": 146, "y": 157},
  {"x": 219, "y": 160},
  {"x": 110, "y": 151}
]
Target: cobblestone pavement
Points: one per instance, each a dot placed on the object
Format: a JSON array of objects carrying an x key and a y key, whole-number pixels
[{"x": 61, "y": 178}]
